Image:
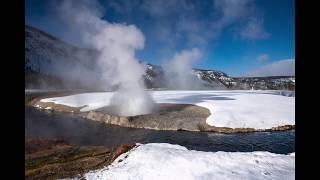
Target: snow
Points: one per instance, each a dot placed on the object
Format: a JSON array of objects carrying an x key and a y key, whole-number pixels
[
  {"x": 39, "y": 90},
  {"x": 166, "y": 161},
  {"x": 229, "y": 108},
  {"x": 91, "y": 101}
]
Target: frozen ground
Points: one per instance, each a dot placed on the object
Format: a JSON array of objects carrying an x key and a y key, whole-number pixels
[
  {"x": 231, "y": 108},
  {"x": 167, "y": 161}
]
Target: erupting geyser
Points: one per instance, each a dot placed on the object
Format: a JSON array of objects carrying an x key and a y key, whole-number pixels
[{"x": 117, "y": 44}]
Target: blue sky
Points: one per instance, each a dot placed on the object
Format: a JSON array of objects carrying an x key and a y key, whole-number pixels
[{"x": 235, "y": 37}]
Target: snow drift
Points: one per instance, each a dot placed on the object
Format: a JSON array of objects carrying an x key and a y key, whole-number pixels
[{"x": 167, "y": 161}]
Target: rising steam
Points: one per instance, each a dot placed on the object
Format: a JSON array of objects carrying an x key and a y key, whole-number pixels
[
  {"x": 116, "y": 44},
  {"x": 178, "y": 70}
]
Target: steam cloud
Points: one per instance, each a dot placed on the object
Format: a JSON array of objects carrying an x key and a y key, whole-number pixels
[
  {"x": 116, "y": 44},
  {"x": 178, "y": 70},
  {"x": 171, "y": 25}
]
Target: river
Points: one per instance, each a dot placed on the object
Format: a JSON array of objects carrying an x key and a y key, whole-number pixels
[{"x": 79, "y": 131}]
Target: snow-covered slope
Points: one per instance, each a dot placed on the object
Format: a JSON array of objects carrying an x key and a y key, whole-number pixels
[
  {"x": 209, "y": 79},
  {"x": 170, "y": 162},
  {"x": 213, "y": 77},
  {"x": 154, "y": 76}
]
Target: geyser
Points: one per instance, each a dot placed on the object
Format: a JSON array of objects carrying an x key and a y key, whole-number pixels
[
  {"x": 116, "y": 44},
  {"x": 178, "y": 70}
]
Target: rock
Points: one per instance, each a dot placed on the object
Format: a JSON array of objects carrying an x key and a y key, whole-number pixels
[
  {"x": 283, "y": 128},
  {"x": 123, "y": 149},
  {"x": 123, "y": 120}
]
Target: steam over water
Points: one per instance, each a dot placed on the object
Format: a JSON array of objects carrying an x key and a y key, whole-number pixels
[{"x": 116, "y": 61}]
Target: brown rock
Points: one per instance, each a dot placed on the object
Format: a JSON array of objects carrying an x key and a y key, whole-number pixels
[{"x": 122, "y": 149}]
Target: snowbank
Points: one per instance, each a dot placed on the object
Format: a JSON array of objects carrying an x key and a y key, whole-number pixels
[
  {"x": 166, "y": 161},
  {"x": 231, "y": 108}
]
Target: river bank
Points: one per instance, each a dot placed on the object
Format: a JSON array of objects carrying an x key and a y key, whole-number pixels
[{"x": 167, "y": 116}]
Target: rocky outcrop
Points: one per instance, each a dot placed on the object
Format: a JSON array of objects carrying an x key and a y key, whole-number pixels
[
  {"x": 107, "y": 118},
  {"x": 122, "y": 149}
]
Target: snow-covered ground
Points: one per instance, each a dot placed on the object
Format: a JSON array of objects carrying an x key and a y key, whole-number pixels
[
  {"x": 167, "y": 161},
  {"x": 38, "y": 90},
  {"x": 230, "y": 108}
]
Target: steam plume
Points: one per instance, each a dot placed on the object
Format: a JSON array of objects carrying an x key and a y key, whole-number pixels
[
  {"x": 116, "y": 61},
  {"x": 178, "y": 70}
]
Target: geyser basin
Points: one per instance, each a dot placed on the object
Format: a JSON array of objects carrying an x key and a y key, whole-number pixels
[
  {"x": 164, "y": 117},
  {"x": 167, "y": 117},
  {"x": 233, "y": 109}
]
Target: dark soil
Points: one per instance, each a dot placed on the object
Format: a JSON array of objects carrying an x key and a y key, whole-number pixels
[{"x": 53, "y": 159}]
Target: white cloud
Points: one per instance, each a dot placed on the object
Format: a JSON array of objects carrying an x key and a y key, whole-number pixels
[
  {"x": 254, "y": 30},
  {"x": 233, "y": 10},
  {"x": 175, "y": 21},
  {"x": 263, "y": 57},
  {"x": 281, "y": 68}
]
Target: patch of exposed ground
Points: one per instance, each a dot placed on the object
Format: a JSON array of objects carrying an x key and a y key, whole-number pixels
[
  {"x": 177, "y": 117},
  {"x": 53, "y": 159},
  {"x": 165, "y": 117},
  {"x": 185, "y": 117}
]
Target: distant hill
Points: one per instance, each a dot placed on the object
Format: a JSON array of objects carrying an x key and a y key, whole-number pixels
[{"x": 52, "y": 63}]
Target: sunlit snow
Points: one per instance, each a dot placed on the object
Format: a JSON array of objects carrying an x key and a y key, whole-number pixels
[
  {"x": 166, "y": 161},
  {"x": 231, "y": 108}
]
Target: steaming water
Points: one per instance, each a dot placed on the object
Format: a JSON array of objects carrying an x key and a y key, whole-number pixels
[
  {"x": 45, "y": 124},
  {"x": 117, "y": 44}
]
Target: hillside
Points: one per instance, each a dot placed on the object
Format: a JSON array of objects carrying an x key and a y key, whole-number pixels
[{"x": 51, "y": 63}]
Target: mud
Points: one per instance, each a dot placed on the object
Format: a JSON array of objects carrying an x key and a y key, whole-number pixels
[{"x": 55, "y": 159}]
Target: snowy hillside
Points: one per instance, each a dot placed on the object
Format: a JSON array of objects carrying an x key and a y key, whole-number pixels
[
  {"x": 212, "y": 76},
  {"x": 154, "y": 78}
]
